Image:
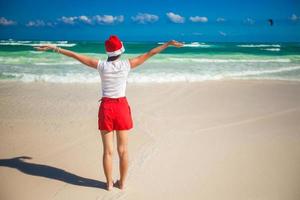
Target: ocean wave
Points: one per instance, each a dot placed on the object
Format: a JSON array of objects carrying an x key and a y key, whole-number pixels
[
  {"x": 208, "y": 60},
  {"x": 36, "y": 52},
  {"x": 11, "y": 40},
  {"x": 158, "y": 77},
  {"x": 58, "y": 63},
  {"x": 260, "y": 72},
  {"x": 196, "y": 44},
  {"x": 58, "y": 43},
  {"x": 258, "y": 45},
  {"x": 189, "y": 77},
  {"x": 271, "y": 49},
  {"x": 192, "y": 44},
  {"x": 66, "y": 78},
  {"x": 174, "y": 77},
  {"x": 33, "y": 43},
  {"x": 62, "y": 42},
  {"x": 186, "y": 77},
  {"x": 52, "y": 59},
  {"x": 94, "y": 78},
  {"x": 37, "y": 60}
]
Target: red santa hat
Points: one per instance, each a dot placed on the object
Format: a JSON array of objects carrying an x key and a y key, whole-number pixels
[{"x": 114, "y": 46}]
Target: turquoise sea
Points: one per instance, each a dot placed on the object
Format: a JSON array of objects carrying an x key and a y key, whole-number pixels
[{"x": 196, "y": 61}]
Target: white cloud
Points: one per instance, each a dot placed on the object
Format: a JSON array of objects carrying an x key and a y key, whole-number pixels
[
  {"x": 175, "y": 18},
  {"x": 294, "y": 17},
  {"x": 40, "y": 23},
  {"x": 85, "y": 19},
  {"x": 198, "y": 19},
  {"x": 98, "y": 19},
  {"x": 220, "y": 19},
  {"x": 144, "y": 18},
  {"x": 36, "y": 23},
  {"x": 68, "y": 20},
  {"x": 108, "y": 19},
  {"x": 222, "y": 33},
  {"x": 249, "y": 21},
  {"x": 6, "y": 22}
]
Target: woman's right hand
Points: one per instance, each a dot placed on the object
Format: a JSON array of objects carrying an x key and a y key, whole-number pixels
[
  {"x": 45, "y": 47},
  {"x": 175, "y": 43}
]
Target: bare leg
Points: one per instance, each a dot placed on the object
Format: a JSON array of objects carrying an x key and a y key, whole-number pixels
[
  {"x": 107, "y": 140},
  {"x": 122, "y": 142}
]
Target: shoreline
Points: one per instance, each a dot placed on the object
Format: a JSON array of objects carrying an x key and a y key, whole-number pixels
[{"x": 156, "y": 83}]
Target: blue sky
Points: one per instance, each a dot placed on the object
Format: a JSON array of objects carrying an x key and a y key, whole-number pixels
[{"x": 151, "y": 20}]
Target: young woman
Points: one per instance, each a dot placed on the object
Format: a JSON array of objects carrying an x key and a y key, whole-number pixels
[{"x": 114, "y": 111}]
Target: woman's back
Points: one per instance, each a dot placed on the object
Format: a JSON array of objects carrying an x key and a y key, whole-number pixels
[{"x": 113, "y": 77}]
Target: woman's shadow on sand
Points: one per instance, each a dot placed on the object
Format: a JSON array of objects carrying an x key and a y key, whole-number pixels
[{"x": 49, "y": 172}]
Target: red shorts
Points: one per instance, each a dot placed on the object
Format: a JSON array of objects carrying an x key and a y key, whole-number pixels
[{"x": 114, "y": 114}]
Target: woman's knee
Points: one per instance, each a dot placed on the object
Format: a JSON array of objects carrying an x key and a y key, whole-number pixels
[
  {"x": 108, "y": 152},
  {"x": 122, "y": 150}
]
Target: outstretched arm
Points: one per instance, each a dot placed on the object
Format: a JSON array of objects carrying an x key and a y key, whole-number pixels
[
  {"x": 91, "y": 62},
  {"x": 134, "y": 62}
]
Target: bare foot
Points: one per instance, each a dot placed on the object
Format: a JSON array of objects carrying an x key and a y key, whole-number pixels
[
  {"x": 109, "y": 185},
  {"x": 119, "y": 185}
]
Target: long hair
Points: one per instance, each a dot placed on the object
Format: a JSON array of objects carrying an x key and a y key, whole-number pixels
[{"x": 112, "y": 58}]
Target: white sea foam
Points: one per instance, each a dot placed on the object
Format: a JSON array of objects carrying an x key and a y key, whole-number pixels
[
  {"x": 192, "y": 44},
  {"x": 159, "y": 77},
  {"x": 62, "y": 42},
  {"x": 14, "y": 43},
  {"x": 31, "y": 43},
  {"x": 36, "y": 52},
  {"x": 271, "y": 49},
  {"x": 196, "y": 44},
  {"x": 56, "y": 44},
  {"x": 208, "y": 60},
  {"x": 53, "y": 60},
  {"x": 259, "y": 45},
  {"x": 52, "y": 78},
  {"x": 277, "y": 78},
  {"x": 71, "y": 62},
  {"x": 11, "y": 41},
  {"x": 259, "y": 72},
  {"x": 175, "y": 77},
  {"x": 189, "y": 77}
]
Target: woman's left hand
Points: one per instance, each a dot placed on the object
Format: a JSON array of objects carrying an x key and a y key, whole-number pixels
[{"x": 45, "y": 47}]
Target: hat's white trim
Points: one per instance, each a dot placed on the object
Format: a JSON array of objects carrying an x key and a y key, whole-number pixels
[{"x": 116, "y": 53}]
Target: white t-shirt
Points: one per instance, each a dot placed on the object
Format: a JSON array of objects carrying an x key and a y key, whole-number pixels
[{"x": 113, "y": 77}]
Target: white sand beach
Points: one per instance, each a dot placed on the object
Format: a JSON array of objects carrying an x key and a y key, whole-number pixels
[{"x": 229, "y": 140}]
